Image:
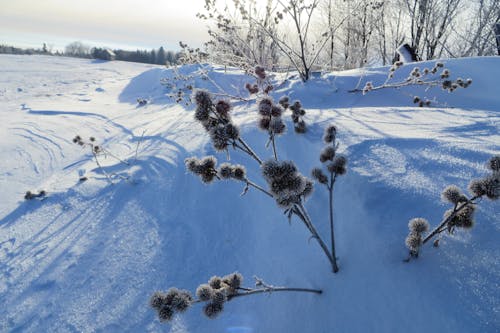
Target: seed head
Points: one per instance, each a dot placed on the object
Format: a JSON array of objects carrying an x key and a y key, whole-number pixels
[
  {"x": 327, "y": 154},
  {"x": 284, "y": 102},
  {"x": 219, "y": 296},
  {"x": 277, "y": 126},
  {"x": 330, "y": 133},
  {"x": 494, "y": 163},
  {"x": 215, "y": 282},
  {"x": 208, "y": 162},
  {"x": 223, "y": 107},
  {"x": 453, "y": 195},
  {"x": 296, "y": 106},
  {"x": 300, "y": 127},
  {"x": 232, "y": 131},
  {"x": 182, "y": 301},
  {"x": 318, "y": 174},
  {"x": 239, "y": 172},
  {"x": 270, "y": 169},
  {"x": 265, "y": 105},
  {"x": 477, "y": 187},
  {"x": 165, "y": 313},
  {"x": 462, "y": 218},
  {"x": 212, "y": 310},
  {"x": 413, "y": 242},
  {"x": 233, "y": 280},
  {"x": 202, "y": 113},
  {"x": 260, "y": 72},
  {"x": 219, "y": 144},
  {"x": 157, "y": 300},
  {"x": 203, "y": 98},
  {"x": 492, "y": 186},
  {"x": 204, "y": 292},
  {"x": 192, "y": 164},
  {"x": 264, "y": 123},
  {"x": 418, "y": 225},
  {"x": 286, "y": 201},
  {"x": 225, "y": 171},
  {"x": 338, "y": 166},
  {"x": 308, "y": 188},
  {"x": 276, "y": 111}
]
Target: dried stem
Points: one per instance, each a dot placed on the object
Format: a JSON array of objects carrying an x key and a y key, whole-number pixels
[
  {"x": 333, "y": 177},
  {"x": 138, "y": 143},
  {"x": 100, "y": 166},
  {"x": 249, "y": 183},
  {"x": 274, "y": 147},
  {"x": 250, "y": 151},
  {"x": 315, "y": 234},
  {"x": 401, "y": 84}
]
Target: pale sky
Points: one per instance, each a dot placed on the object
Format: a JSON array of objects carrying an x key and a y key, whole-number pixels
[{"x": 129, "y": 24}]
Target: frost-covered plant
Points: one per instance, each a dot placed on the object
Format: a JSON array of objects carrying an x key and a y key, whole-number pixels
[
  {"x": 98, "y": 151},
  {"x": 262, "y": 81},
  {"x": 461, "y": 215},
  {"x": 437, "y": 76},
  {"x": 271, "y": 113},
  {"x": 214, "y": 294},
  {"x": 336, "y": 166},
  {"x": 286, "y": 185}
]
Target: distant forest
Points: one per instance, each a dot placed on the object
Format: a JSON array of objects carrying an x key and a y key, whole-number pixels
[{"x": 79, "y": 50}]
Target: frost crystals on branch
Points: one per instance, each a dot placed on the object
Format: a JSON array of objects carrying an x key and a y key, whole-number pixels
[
  {"x": 213, "y": 294},
  {"x": 438, "y": 76},
  {"x": 462, "y": 213}
]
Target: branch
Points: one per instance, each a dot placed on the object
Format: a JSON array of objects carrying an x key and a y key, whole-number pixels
[{"x": 457, "y": 210}]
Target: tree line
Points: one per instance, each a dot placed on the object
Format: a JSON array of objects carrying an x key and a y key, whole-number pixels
[{"x": 77, "y": 49}]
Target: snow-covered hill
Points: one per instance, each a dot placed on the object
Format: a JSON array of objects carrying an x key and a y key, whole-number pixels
[{"x": 88, "y": 257}]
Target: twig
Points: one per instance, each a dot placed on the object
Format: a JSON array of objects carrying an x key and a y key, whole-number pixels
[
  {"x": 138, "y": 143},
  {"x": 248, "y": 182}
]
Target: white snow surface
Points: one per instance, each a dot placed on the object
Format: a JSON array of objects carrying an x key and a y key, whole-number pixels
[{"x": 89, "y": 256}]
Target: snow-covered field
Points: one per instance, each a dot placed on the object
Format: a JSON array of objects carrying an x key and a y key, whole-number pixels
[{"x": 88, "y": 257}]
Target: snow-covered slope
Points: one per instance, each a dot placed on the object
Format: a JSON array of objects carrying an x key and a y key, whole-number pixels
[{"x": 88, "y": 257}]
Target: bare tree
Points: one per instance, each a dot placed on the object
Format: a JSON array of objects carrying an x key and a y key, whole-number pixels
[
  {"x": 235, "y": 39},
  {"x": 477, "y": 38},
  {"x": 431, "y": 22}
]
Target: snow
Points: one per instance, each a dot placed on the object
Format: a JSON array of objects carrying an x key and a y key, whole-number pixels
[{"x": 88, "y": 257}]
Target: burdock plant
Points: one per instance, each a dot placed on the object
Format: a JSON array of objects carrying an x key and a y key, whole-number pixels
[
  {"x": 98, "y": 151},
  {"x": 461, "y": 215},
  {"x": 214, "y": 295},
  {"x": 286, "y": 185},
  {"x": 335, "y": 166}
]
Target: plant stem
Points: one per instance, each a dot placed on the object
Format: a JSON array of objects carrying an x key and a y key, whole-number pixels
[
  {"x": 100, "y": 166},
  {"x": 439, "y": 228},
  {"x": 275, "y": 289},
  {"x": 315, "y": 234},
  {"x": 332, "y": 235},
  {"x": 250, "y": 151},
  {"x": 267, "y": 289},
  {"x": 274, "y": 148},
  {"x": 258, "y": 188},
  {"x": 400, "y": 84}
]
